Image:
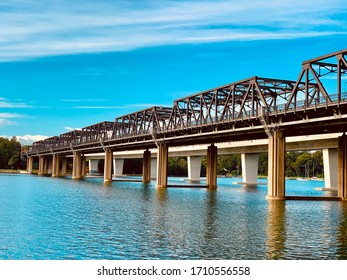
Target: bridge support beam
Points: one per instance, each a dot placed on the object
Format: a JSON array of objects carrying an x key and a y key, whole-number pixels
[
  {"x": 77, "y": 166},
  {"x": 42, "y": 160},
  {"x": 162, "y": 165},
  {"x": 108, "y": 166},
  {"x": 330, "y": 163},
  {"x": 211, "y": 167},
  {"x": 342, "y": 167},
  {"x": 118, "y": 167},
  {"x": 194, "y": 168},
  {"x": 55, "y": 166},
  {"x": 146, "y": 167},
  {"x": 249, "y": 163},
  {"x": 30, "y": 163},
  {"x": 276, "y": 166}
]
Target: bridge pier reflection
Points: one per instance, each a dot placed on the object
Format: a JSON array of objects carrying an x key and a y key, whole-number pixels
[{"x": 276, "y": 230}]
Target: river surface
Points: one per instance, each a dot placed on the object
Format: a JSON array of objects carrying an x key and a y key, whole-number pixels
[{"x": 59, "y": 218}]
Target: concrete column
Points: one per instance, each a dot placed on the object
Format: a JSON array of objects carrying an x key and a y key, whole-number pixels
[
  {"x": 49, "y": 165},
  {"x": 342, "y": 167},
  {"x": 30, "y": 163},
  {"x": 83, "y": 166},
  {"x": 146, "y": 167},
  {"x": 249, "y": 163},
  {"x": 93, "y": 166},
  {"x": 108, "y": 166},
  {"x": 63, "y": 166},
  {"x": 118, "y": 167},
  {"x": 153, "y": 168},
  {"x": 162, "y": 165},
  {"x": 211, "y": 167},
  {"x": 276, "y": 166},
  {"x": 76, "y": 166},
  {"x": 41, "y": 165},
  {"x": 330, "y": 163},
  {"x": 194, "y": 168},
  {"x": 55, "y": 166}
]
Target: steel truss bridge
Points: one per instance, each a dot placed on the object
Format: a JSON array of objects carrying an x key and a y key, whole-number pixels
[{"x": 316, "y": 103}]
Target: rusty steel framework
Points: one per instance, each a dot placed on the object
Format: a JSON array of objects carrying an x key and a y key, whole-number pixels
[
  {"x": 252, "y": 102},
  {"x": 148, "y": 122},
  {"x": 243, "y": 100}
]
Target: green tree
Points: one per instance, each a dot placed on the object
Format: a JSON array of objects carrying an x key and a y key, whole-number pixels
[{"x": 9, "y": 149}]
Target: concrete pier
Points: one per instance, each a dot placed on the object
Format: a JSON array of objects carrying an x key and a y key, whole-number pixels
[
  {"x": 30, "y": 163},
  {"x": 55, "y": 166},
  {"x": 162, "y": 165},
  {"x": 93, "y": 166},
  {"x": 63, "y": 166},
  {"x": 108, "y": 166},
  {"x": 153, "y": 168},
  {"x": 276, "y": 167},
  {"x": 342, "y": 167},
  {"x": 330, "y": 163},
  {"x": 42, "y": 160},
  {"x": 194, "y": 168},
  {"x": 146, "y": 167},
  {"x": 249, "y": 163},
  {"x": 118, "y": 165},
  {"x": 211, "y": 167},
  {"x": 77, "y": 166}
]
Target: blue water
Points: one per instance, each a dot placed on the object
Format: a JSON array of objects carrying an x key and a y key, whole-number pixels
[{"x": 55, "y": 218}]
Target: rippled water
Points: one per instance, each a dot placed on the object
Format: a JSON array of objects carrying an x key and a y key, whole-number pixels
[{"x": 48, "y": 218}]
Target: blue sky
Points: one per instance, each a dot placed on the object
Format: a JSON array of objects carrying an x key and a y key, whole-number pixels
[{"x": 68, "y": 64}]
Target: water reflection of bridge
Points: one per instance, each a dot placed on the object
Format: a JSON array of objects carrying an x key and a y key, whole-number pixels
[{"x": 250, "y": 109}]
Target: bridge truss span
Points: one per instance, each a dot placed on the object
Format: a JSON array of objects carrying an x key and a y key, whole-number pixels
[{"x": 242, "y": 110}]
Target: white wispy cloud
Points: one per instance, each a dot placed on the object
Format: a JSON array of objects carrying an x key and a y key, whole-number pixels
[
  {"x": 36, "y": 28},
  {"x": 6, "y": 118},
  {"x": 4, "y": 103}
]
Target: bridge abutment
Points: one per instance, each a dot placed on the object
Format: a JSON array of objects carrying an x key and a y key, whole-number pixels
[
  {"x": 108, "y": 165},
  {"x": 276, "y": 166},
  {"x": 342, "y": 167},
  {"x": 194, "y": 168},
  {"x": 211, "y": 167},
  {"x": 162, "y": 165}
]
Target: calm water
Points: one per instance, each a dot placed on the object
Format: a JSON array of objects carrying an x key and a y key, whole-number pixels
[{"x": 47, "y": 218}]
